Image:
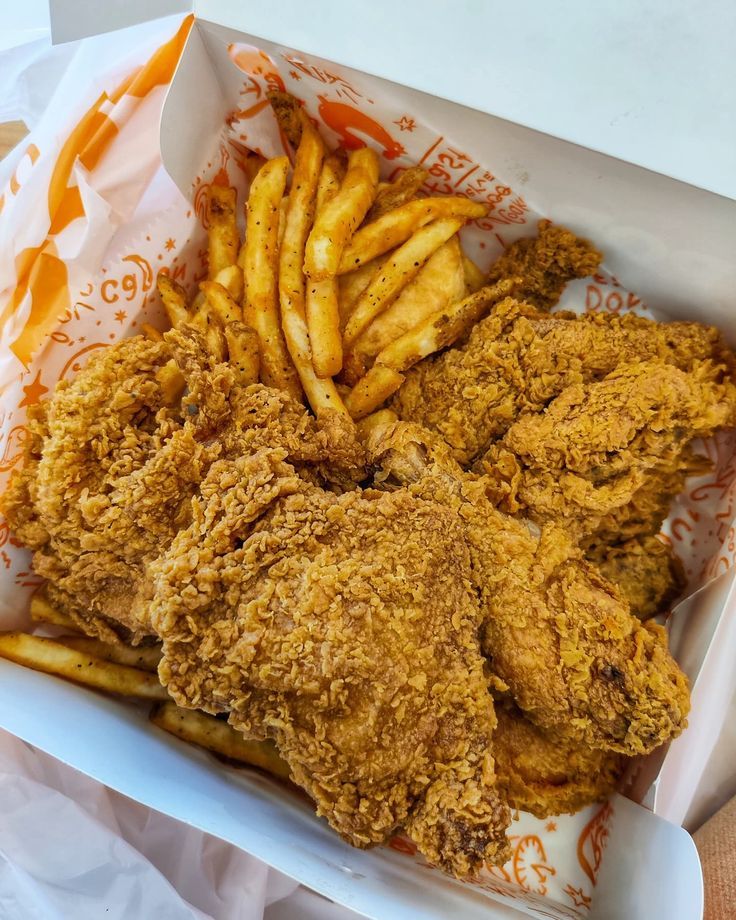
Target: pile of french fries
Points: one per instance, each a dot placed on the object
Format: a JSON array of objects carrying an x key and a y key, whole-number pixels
[
  {"x": 130, "y": 672},
  {"x": 342, "y": 283}
]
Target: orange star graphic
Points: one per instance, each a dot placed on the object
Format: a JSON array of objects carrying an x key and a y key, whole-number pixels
[
  {"x": 550, "y": 826},
  {"x": 405, "y": 123},
  {"x": 294, "y": 75},
  {"x": 34, "y": 391},
  {"x": 170, "y": 244},
  {"x": 120, "y": 316}
]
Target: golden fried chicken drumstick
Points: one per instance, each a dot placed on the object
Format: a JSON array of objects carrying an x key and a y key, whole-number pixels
[
  {"x": 345, "y": 628},
  {"x": 562, "y": 637}
]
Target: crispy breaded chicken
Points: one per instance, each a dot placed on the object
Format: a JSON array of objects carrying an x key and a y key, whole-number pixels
[
  {"x": 595, "y": 446},
  {"x": 546, "y": 774},
  {"x": 644, "y": 569},
  {"x": 345, "y": 628},
  {"x": 111, "y": 469},
  {"x": 562, "y": 637},
  {"x": 546, "y": 263},
  {"x": 517, "y": 360}
]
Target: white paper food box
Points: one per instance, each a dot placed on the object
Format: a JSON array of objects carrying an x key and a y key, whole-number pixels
[{"x": 670, "y": 242}]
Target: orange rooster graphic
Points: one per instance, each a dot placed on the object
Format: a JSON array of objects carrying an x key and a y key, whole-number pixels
[{"x": 345, "y": 121}]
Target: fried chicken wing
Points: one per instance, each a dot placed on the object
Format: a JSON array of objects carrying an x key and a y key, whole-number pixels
[
  {"x": 111, "y": 469},
  {"x": 345, "y": 628},
  {"x": 644, "y": 569},
  {"x": 546, "y": 774},
  {"x": 562, "y": 637},
  {"x": 545, "y": 263},
  {"x": 517, "y": 360}
]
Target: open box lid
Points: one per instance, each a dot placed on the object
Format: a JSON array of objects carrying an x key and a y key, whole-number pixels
[{"x": 653, "y": 87}]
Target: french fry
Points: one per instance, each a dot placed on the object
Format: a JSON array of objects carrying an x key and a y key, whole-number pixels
[
  {"x": 375, "y": 421},
  {"x": 243, "y": 352},
  {"x": 339, "y": 220},
  {"x": 250, "y": 162},
  {"x": 52, "y": 657},
  {"x": 288, "y": 114},
  {"x": 375, "y": 388},
  {"x": 322, "y": 311},
  {"x": 321, "y": 392},
  {"x": 352, "y": 285},
  {"x": 354, "y": 366},
  {"x": 220, "y": 302},
  {"x": 223, "y": 237},
  {"x": 442, "y": 328},
  {"x": 145, "y": 657},
  {"x": 171, "y": 381},
  {"x": 231, "y": 278},
  {"x": 440, "y": 282},
  {"x": 174, "y": 300},
  {"x": 396, "y": 273},
  {"x": 217, "y": 736},
  {"x": 395, "y": 227},
  {"x": 395, "y": 194},
  {"x": 261, "y": 271},
  {"x": 151, "y": 332},
  {"x": 474, "y": 278},
  {"x": 43, "y": 611}
]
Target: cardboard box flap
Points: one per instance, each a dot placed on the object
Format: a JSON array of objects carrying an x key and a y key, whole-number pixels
[{"x": 75, "y": 19}]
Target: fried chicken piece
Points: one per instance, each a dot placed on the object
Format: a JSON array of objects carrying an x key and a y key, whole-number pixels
[
  {"x": 555, "y": 631},
  {"x": 517, "y": 360},
  {"x": 111, "y": 468},
  {"x": 546, "y": 774},
  {"x": 345, "y": 628},
  {"x": 545, "y": 263},
  {"x": 595, "y": 446},
  {"x": 645, "y": 570}
]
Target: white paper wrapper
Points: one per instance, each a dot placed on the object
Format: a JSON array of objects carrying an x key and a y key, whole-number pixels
[{"x": 90, "y": 229}]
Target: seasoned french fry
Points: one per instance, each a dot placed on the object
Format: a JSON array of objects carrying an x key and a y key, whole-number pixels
[
  {"x": 244, "y": 354},
  {"x": 217, "y": 736},
  {"x": 223, "y": 238},
  {"x": 440, "y": 282},
  {"x": 151, "y": 332},
  {"x": 251, "y": 162},
  {"x": 352, "y": 285},
  {"x": 174, "y": 300},
  {"x": 322, "y": 311},
  {"x": 52, "y": 657},
  {"x": 43, "y": 611},
  {"x": 171, "y": 381},
  {"x": 288, "y": 112},
  {"x": 395, "y": 227},
  {"x": 354, "y": 366},
  {"x": 197, "y": 303},
  {"x": 220, "y": 302},
  {"x": 145, "y": 657},
  {"x": 339, "y": 220},
  {"x": 321, "y": 393},
  {"x": 396, "y": 193},
  {"x": 396, "y": 273},
  {"x": 231, "y": 278},
  {"x": 368, "y": 393},
  {"x": 474, "y": 278},
  {"x": 442, "y": 328},
  {"x": 380, "y": 419},
  {"x": 261, "y": 270}
]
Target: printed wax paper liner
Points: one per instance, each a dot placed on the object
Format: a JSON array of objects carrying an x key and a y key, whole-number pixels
[{"x": 77, "y": 272}]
